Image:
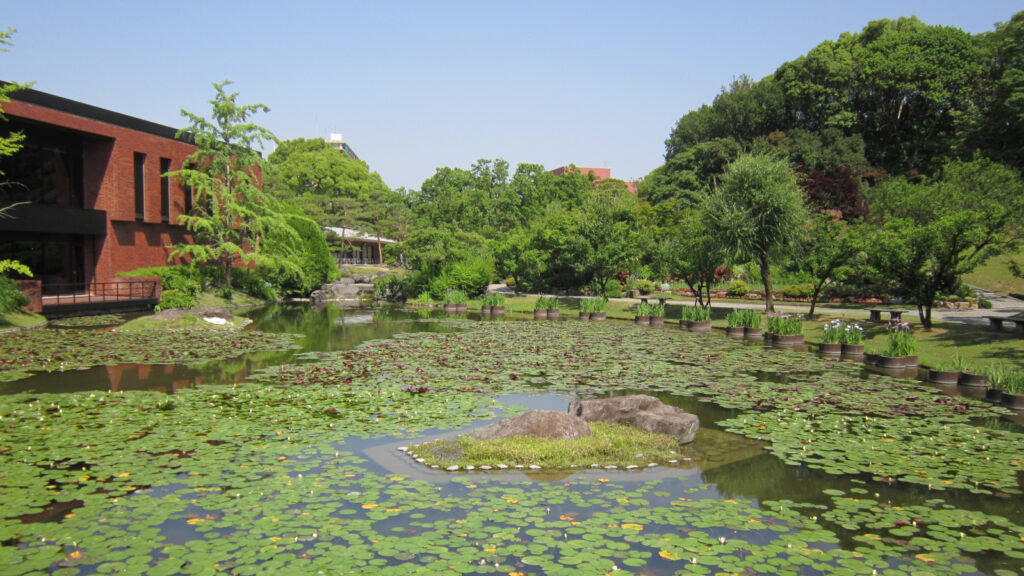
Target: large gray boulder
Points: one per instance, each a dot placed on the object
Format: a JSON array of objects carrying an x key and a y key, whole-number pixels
[
  {"x": 641, "y": 411},
  {"x": 535, "y": 423},
  {"x": 342, "y": 289}
]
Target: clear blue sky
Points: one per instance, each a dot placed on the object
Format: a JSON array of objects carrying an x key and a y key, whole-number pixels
[{"x": 418, "y": 85}]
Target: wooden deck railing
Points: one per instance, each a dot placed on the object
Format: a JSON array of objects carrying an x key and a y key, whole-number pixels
[{"x": 93, "y": 292}]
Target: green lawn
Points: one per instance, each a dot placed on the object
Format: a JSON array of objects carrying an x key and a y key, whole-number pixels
[{"x": 995, "y": 275}]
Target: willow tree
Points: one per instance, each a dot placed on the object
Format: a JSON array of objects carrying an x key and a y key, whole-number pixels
[
  {"x": 757, "y": 212},
  {"x": 230, "y": 214}
]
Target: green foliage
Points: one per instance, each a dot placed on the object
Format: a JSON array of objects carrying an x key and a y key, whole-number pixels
[
  {"x": 805, "y": 290},
  {"x": 392, "y": 287},
  {"x": 852, "y": 333},
  {"x": 758, "y": 213},
  {"x": 11, "y": 298},
  {"x": 12, "y": 142},
  {"x": 296, "y": 258},
  {"x": 613, "y": 290},
  {"x": 737, "y": 288},
  {"x": 454, "y": 296},
  {"x": 829, "y": 251},
  {"x": 744, "y": 317},
  {"x": 471, "y": 276},
  {"x": 180, "y": 285},
  {"x": 645, "y": 286},
  {"x": 985, "y": 304},
  {"x": 695, "y": 313},
  {"x": 175, "y": 299},
  {"x": 936, "y": 231},
  {"x": 901, "y": 341},
  {"x": 832, "y": 332},
  {"x": 231, "y": 214},
  {"x": 591, "y": 305},
  {"x": 785, "y": 324},
  {"x": 493, "y": 300}
]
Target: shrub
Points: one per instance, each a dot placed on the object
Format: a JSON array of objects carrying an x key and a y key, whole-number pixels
[
  {"x": 11, "y": 298},
  {"x": 614, "y": 290},
  {"x": 175, "y": 299},
  {"x": 493, "y": 300},
  {"x": 392, "y": 287},
  {"x": 804, "y": 290},
  {"x": 454, "y": 296},
  {"x": 645, "y": 287},
  {"x": 471, "y": 276},
  {"x": 985, "y": 304},
  {"x": 744, "y": 317},
  {"x": 737, "y": 288},
  {"x": 180, "y": 285}
]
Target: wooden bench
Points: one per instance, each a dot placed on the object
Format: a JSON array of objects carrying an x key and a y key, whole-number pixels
[{"x": 875, "y": 314}]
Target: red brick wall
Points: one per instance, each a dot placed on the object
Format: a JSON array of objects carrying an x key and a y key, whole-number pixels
[
  {"x": 109, "y": 185},
  {"x": 599, "y": 173}
]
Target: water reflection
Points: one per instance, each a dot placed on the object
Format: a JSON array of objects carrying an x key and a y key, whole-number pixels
[{"x": 326, "y": 328}]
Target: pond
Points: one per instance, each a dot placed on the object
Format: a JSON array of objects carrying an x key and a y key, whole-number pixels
[{"x": 288, "y": 460}]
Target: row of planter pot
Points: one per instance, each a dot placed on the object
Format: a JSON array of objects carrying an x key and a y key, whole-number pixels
[
  {"x": 839, "y": 348},
  {"x": 546, "y": 314},
  {"x": 890, "y": 361},
  {"x": 649, "y": 320},
  {"x": 594, "y": 316},
  {"x": 695, "y": 325},
  {"x": 492, "y": 310},
  {"x": 455, "y": 308},
  {"x": 963, "y": 378}
]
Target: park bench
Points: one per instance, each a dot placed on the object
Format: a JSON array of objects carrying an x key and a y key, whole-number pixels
[
  {"x": 996, "y": 322},
  {"x": 661, "y": 300},
  {"x": 875, "y": 314}
]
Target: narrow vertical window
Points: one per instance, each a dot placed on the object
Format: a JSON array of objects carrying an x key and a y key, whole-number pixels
[
  {"x": 188, "y": 199},
  {"x": 165, "y": 191},
  {"x": 140, "y": 186}
]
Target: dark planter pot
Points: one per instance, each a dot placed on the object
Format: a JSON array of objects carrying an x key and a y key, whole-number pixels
[
  {"x": 910, "y": 360},
  {"x": 831, "y": 348},
  {"x": 734, "y": 331},
  {"x": 642, "y": 320},
  {"x": 871, "y": 359},
  {"x": 943, "y": 377},
  {"x": 973, "y": 380},
  {"x": 787, "y": 339},
  {"x": 994, "y": 395},
  {"x": 1013, "y": 401},
  {"x": 598, "y": 316},
  {"x": 553, "y": 313},
  {"x": 700, "y": 326},
  {"x": 853, "y": 349},
  {"x": 584, "y": 315},
  {"x": 657, "y": 320},
  {"x": 753, "y": 333},
  {"x": 497, "y": 310},
  {"x": 892, "y": 361},
  {"x": 461, "y": 308},
  {"x": 485, "y": 310},
  {"x": 540, "y": 314},
  {"x": 451, "y": 308},
  {"x": 685, "y": 324}
]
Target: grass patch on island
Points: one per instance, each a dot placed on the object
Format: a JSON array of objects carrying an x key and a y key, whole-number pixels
[
  {"x": 20, "y": 319},
  {"x": 608, "y": 445}
]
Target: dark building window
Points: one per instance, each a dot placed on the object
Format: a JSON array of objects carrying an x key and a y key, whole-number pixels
[
  {"x": 140, "y": 186},
  {"x": 165, "y": 190},
  {"x": 47, "y": 169},
  {"x": 189, "y": 193}
]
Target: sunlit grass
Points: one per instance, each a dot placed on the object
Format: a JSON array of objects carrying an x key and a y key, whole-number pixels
[{"x": 608, "y": 445}]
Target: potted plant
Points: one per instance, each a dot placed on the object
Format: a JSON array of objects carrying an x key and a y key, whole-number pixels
[
  {"x": 485, "y": 305},
  {"x": 553, "y": 310},
  {"x": 597, "y": 306},
  {"x": 852, "y": 339},
  {"x": 497, "y": 304},
  {"x": 751, "y": 320},
  {"x": 643, "y": 314},
  {"x": 540, "y": 308},
  {"x": 831, "y": 340},
  {"x": 586, "y": 307},
  {"x": 657, "y": 313},
  {"x": 695, "y": 318},
  {"x": 1013, "y": 388},
  {"x": 997, "y": 376},
  {"x": 901, "y": 350},
  {"x": 454, "y": 301},
  {"x": 786, "y": 329},
  {"x": 948, "y": 373},
  {"x": 967, "y": 376},
  {"x": 734, "y": 324}
]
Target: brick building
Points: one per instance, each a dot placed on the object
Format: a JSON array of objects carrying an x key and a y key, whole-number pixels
[
  {"x": 96, "y": 201},
  {"x": 597, "y": 174}
]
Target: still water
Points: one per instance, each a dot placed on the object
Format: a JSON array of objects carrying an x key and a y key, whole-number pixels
[{"x": 508, "y": 523}]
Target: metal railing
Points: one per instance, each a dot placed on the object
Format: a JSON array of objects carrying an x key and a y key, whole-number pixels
[{"x": 89, "y": 292}]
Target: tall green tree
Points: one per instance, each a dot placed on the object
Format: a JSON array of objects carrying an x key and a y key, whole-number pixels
[
  {"x": 695, "y": 255},
  {"x": 757, "y": 212},
  {"x": 935, "y": 232},
  {"x": 231, "y": 213},
  {"x": 829, "y": 251}
]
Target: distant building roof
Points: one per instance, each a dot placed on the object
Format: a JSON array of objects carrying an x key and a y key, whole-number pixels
[
  {"x": 338, "y": 143},
  {"x": 350, "y": 234}
]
